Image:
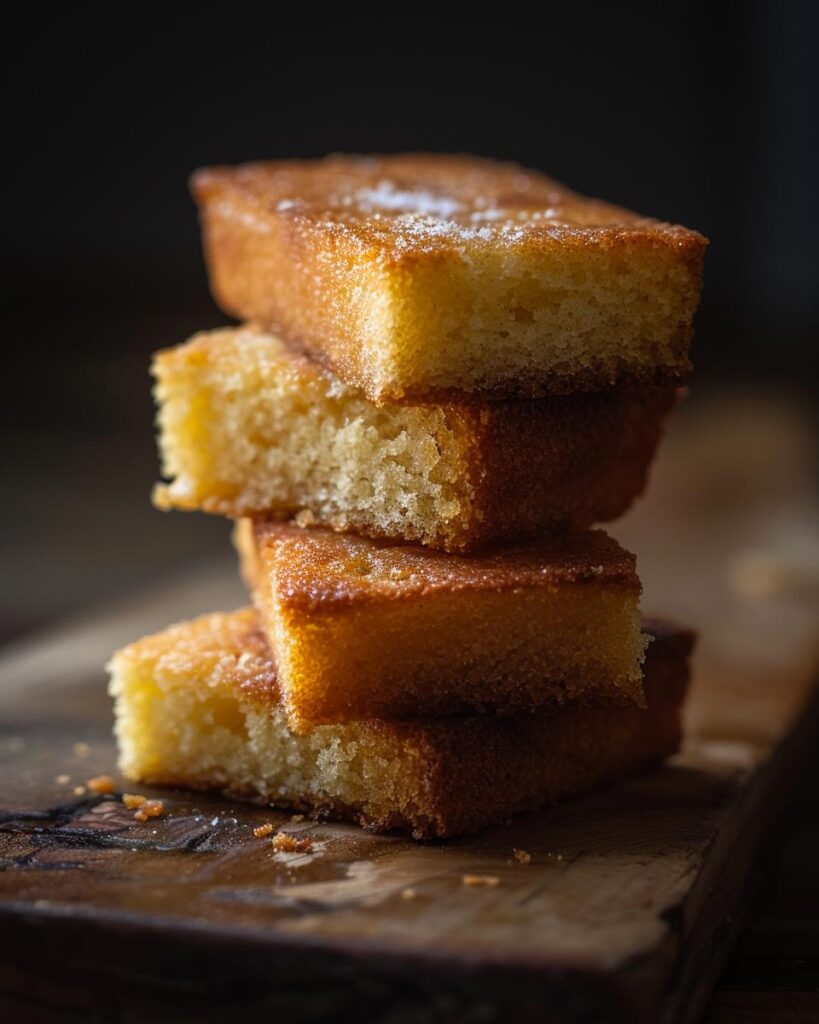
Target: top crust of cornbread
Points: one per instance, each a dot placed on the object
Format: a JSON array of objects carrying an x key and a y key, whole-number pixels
[
  {"x": 417, "y": 276},
  {"x": 325, "y": 570},
  {"x": 229, "y": 651},
  {"x": 382, "y": 200}
]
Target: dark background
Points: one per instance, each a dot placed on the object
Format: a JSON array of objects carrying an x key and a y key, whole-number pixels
[{"x": 701, "y": 113}]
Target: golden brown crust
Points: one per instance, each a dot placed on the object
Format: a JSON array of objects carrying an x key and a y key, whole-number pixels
[
  {"x": 324, "y": 571},
  {"x": 545, "y": 757},
  {"x": 562, "y": 462},
  {"x": 347, "y": 256},
  {"x": 374, "y": 197}
]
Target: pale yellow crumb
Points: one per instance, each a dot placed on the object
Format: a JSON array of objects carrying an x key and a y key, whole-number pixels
[
  {"x": 63, "y": 780},
  {"x": 101, "y": 784},
  {"x": 408, "y": 894},
  {"x": 263, "y": 830},
  {"x": 150, "y": 809},
  {"x": 522, "y": 856},
  {"x": 489, "y": 880},
  {"x": 297, "y": 817},
  {"x": 79, "y": 791},
  {"x": 82, "y": 749},
  {"x": 133, "y": 800}
]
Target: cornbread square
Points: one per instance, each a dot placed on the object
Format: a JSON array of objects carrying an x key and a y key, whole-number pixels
[
  {"x": 199, "y": 706},
  {"x": 420, "y": 275},
  {"x": 363, "y": 629},
  {"x": 248, "y": 427}
]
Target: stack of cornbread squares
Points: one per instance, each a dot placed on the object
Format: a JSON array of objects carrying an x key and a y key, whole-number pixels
[{"x": 448, "y": 370}]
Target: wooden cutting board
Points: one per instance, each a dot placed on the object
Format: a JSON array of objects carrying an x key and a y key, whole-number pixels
[{"x": 632, "y": 895}]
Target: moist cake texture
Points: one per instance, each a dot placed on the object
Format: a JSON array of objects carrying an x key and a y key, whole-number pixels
[
  {"x": 247, "y": 427},
  {"x": 364, "y": 629},
  {"x": 199, "y": 706},
  {"x": 416, "y": 276}
]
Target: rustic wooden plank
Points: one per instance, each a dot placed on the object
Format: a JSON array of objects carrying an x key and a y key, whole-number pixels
[{"x": 625, "y": 912}]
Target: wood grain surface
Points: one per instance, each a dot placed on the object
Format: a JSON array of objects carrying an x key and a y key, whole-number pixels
[{"x": 626, "y": 910}]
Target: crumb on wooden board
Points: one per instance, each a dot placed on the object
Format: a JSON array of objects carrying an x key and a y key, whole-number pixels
[
  {"x": 149, "y": 809},
  {"x": 282, "y": 842},
  {"x": 101, "y": 784},
  {"x": 133, "y": 800}
]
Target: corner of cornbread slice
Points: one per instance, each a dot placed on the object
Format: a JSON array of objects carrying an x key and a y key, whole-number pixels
[
  {"x": 247, "y": 427},
  {"x": 417, "y": 275},
  {"x": 198, "y": 705},
  {"x": 363, "y": 629}
]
